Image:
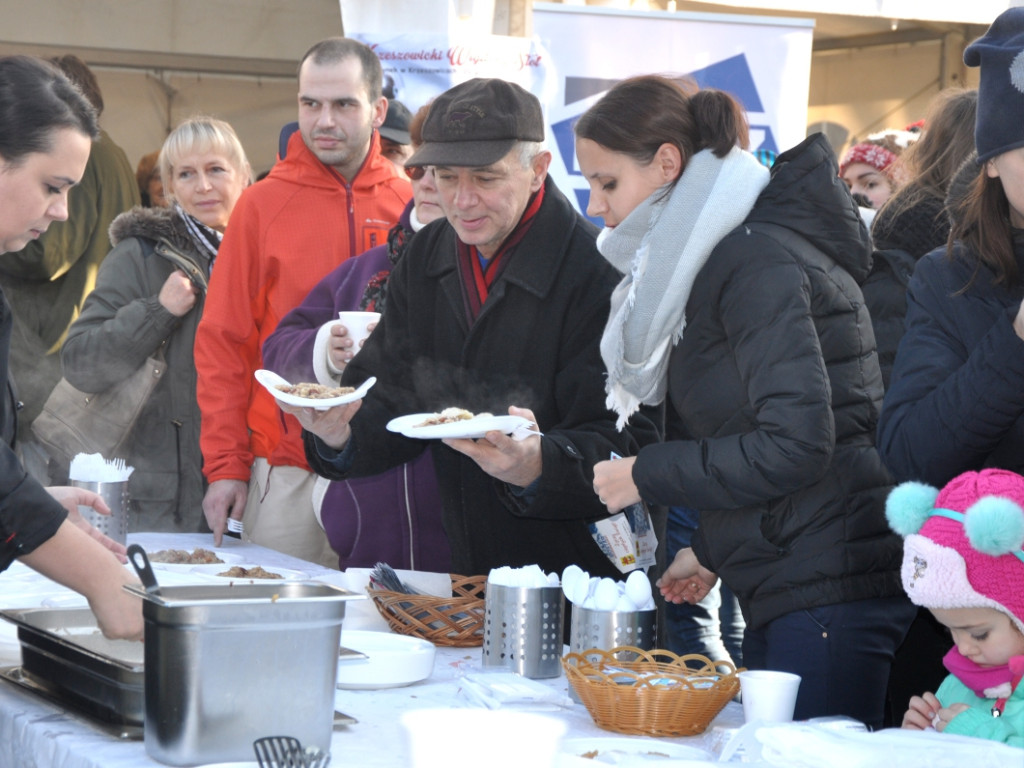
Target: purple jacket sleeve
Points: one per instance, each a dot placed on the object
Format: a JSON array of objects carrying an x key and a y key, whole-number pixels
[{"x": 288, "y": 351}]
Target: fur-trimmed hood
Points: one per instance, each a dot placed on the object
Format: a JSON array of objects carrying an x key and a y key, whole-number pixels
[{"x": 153, "y": 224}]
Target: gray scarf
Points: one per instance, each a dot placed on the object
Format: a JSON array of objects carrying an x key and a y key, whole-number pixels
[{"x": 661, "y": 246}]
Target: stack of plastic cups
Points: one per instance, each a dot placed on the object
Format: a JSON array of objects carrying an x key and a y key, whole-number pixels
[{"x": 523, "y": 629}]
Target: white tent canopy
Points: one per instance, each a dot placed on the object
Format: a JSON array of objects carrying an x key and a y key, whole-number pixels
[
  {"x": 876, "y": 62},
  {"x": 954, "y": 11}
]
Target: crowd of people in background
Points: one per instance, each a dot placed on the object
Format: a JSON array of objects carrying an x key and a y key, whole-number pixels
[{"x": 792, "y": 353}]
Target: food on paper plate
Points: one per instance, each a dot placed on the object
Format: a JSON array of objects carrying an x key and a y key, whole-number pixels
[
  {"x": 197, "y": 556},
  {"x": 450, "y": 416},
  {"x": 256, "y": 572},
  {"x": 313, "y": 391}
]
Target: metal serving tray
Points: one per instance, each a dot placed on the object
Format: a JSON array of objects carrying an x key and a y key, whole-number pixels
[{"x": 63, "y": 651}]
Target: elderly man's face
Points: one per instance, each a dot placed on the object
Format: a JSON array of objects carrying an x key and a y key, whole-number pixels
[{"x": 485, "y": 204}]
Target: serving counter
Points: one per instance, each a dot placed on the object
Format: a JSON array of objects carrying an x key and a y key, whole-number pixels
[{"x": 38, "y": 733}]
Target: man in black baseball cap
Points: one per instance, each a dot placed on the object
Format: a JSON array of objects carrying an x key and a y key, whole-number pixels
[
  {"x": 395, "y": 142},
  {"x": 497, "y": 308}
]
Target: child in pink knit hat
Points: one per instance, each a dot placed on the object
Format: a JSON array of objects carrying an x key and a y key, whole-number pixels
[{"x": 963, "y": 561}]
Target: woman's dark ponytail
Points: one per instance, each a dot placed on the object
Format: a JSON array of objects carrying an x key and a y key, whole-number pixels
[
  {"x": 640, "y": 114},
  {"x": 720, "y": 121}
]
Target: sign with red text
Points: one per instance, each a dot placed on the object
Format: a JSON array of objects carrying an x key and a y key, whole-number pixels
[
  {"x": 418, "y": 67},
  {"x": 579, "y": 52}
]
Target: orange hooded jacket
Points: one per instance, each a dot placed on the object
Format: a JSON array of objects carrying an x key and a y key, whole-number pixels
[{"x": 286, "y": 232}]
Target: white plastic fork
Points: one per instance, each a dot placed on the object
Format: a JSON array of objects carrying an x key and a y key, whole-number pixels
[{"x": 524, "y": 431}]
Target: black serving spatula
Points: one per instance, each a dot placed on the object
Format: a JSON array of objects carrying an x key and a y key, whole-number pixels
[{"x": 140, "y": 562}]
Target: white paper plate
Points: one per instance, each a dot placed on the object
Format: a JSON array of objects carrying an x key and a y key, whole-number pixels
[
  {"x": 271, "y": 381},
  {"x": 216, "y": 569},
  {"x": 392, "y": 661},
  {"x": 640, "y": 751},
  {"x": 474, "y": 428},
  {"x": 228, "y": 558}
]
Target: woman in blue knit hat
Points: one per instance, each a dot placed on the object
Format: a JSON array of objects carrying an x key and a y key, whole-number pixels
[{"x": 956, "y": 400}]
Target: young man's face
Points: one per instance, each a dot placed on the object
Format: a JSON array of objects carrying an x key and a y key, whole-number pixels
[
  {"x": 336, "y": 117},
  {"x": 984, "y": 635}
]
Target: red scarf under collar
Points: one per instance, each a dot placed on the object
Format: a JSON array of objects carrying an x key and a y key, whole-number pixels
[{"x": 477, "y": 279}]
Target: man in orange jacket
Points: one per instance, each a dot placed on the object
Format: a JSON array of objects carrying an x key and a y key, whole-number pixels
[{"x": 332, "y": 196}]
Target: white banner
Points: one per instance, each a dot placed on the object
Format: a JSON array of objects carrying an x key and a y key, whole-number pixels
[
  {"x": 578, "y": 53},
  {"x": 763, "y": 62},
  {"x": 418, "y": 67}
]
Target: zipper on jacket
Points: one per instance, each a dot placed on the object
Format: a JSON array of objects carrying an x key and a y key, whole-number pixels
[
  {"x": 176, "y": 513},
  {"x": 408, "y": 517},
  {"x": 351, "y": 222}
]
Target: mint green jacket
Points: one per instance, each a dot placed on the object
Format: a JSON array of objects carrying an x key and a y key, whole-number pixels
[{"x": 978, "y": 720}]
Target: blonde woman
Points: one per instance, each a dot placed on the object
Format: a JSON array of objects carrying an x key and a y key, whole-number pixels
[{"x": 145, "y": 300}]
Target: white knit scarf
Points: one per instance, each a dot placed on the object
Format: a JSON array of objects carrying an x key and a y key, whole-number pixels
[{"x": 660, "y": 247}]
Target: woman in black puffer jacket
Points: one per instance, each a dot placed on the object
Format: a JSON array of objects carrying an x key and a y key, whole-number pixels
[{"x": 771, "y": 379}]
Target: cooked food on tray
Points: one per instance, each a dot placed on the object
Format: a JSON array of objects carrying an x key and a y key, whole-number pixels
[
  {"x": 256, "y": 572},
  {"x": 197, "y": 556},
  {"x": 314, "y": 391},
  {"x": 449, "y": 416}
]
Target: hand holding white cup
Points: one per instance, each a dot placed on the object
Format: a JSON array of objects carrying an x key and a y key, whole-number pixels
[
  {"x": 768, "y": 696},
  {"x": 356, "y": 324}
]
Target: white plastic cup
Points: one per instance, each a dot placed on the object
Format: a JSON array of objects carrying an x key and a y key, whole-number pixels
[
  {"x": 355, "y": 323},
  {"x": 769, "y": 696},
  {"x": 496, "y": 738}
]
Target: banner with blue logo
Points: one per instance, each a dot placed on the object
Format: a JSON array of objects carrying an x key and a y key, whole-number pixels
[{"x": 764, "y": 62}]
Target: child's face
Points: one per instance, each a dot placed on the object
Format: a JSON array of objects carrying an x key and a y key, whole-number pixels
[{"x": 984, "y": 635}]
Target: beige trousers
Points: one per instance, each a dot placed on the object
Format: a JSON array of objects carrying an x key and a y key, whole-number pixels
[{"x": 279, "y": 513}]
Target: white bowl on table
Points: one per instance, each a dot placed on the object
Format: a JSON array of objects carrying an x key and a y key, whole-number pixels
[{"x": 392, "y": 661}]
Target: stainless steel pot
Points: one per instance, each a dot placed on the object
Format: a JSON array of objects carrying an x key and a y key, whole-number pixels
[{"x": 225, "y": 665}]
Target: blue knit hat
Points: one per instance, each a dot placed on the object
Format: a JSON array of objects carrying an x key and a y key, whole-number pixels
[{"x": 999, "y": 126}]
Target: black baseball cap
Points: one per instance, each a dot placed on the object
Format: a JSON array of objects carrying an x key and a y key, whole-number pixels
[
  {"x": 477, "y": 123},
  {"x": 396, "y": 123}
]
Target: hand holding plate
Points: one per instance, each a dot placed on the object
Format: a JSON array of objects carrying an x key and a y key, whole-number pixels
[
  {"x": 331, "y": 425},
  {"x": 517, "y": 462}
]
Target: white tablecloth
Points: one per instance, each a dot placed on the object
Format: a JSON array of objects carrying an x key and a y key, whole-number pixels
[{"x": 38, "y": 734}]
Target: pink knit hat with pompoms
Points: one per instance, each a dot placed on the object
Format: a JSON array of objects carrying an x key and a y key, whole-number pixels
[{"x": 963, "y": 544}]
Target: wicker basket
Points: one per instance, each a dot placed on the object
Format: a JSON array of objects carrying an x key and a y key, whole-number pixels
[
  {"x": 453, "y": 621},
  {"x": 657, "y": 694}
]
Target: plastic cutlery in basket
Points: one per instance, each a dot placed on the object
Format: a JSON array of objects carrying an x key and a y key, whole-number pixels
[{"x": 383, "y": 576}]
